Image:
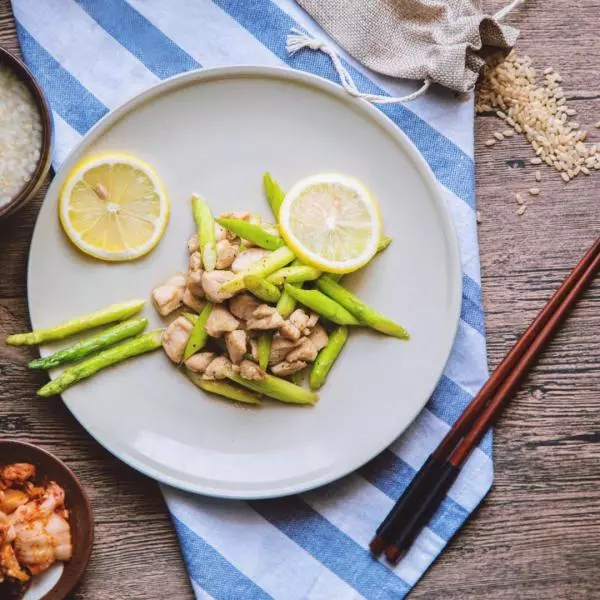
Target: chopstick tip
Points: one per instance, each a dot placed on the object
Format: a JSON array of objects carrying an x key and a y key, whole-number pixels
[
  {"x": 393, "y": 554},
  {"x": 377, "y": 546}
]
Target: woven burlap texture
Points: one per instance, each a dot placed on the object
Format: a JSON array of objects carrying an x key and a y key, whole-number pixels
[{"x": 414, "y": 39}]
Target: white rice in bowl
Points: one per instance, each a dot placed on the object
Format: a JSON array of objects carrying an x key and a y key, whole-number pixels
[{"x": 20, "y": 135}]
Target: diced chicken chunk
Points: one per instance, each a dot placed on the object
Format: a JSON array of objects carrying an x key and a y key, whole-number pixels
[
  {"x": 244, "y": 305},
  {"x": 254, "y": 349},
  {"x": 175, "y": 338},
  {"x": 220, "y": 321},
  {"x": 312, "y": 320},
  {"x": 305, "y": 351},
  {"x": 192, "y": 301},
  {"x": 251, "y": 371},
  {"x": 198, "y": 363},
  {"x": 265, "y": 317},
  {"x": 236, "y": 342},
  {"x": 194, "y": 278},
  {"x": 295, "y": 326},
  {"x": 226, "y": 254},
  {"x": 285, "y": 368},
  {"x": 280, "y": 348},
  {"x": 212, "y": 282},
  {"x": 247, "y": 258},
  {"x": 218, "y": 368},
  {"x": 319, "y": 337},
  {"x": 168, "y": 296},
  {"x": 193, "y": 245}
]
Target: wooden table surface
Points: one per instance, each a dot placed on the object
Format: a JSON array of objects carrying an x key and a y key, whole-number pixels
[{"x": 537, "y": 535}]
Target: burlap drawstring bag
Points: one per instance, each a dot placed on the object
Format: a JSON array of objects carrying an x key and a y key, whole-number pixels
[{"x": 427, "y": 40}]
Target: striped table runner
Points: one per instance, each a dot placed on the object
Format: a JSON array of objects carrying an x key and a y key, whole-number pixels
[{"x": 90, "y": 56}]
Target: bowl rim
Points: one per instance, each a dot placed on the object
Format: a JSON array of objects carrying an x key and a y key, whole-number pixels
[
  {"x": 43, "y": 164},
  {"x": 64, "y": 586}
]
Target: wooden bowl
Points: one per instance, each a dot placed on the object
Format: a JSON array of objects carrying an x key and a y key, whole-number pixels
[
  {"x": 43, "y": 165},
  {"x": 49, "y": 468}
]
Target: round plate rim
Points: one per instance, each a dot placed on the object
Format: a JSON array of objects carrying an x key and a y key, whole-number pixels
[{"x": 429, "y": 180}]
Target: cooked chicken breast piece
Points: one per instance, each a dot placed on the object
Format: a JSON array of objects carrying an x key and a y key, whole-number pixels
[
  {"x": 175, "y": 338},
  {"x": 236, "y": 342},
  {"x": 193, "y": 245},
  {"x": 198, "y": 363},
  {"x": 247, "y": 258},
  {"x": 168, "y": 296},
  {"x": 192, "y": 301},
  {"x": 251, "y": 371},
  {"x": 254, "y": 349},
  {"x": 212, "y": 282},
  {"x": 220, "y": 233},
  {"x": 312, "y": 320},
  {"x": 319, "y": 337},
  {"x": 265, "y": 317},
  {"x": 244, "y": 305},
  {"x": 226, "y": 254},
  {"x": 218, "y": 368},
  {"x": 305, "y": 351},
  {"x": 285, "y": 368},
  {"x": 280, "y": 348},
  {"x": 295, "y": 326},
  {"x": 220, "y": 321},
  {"x": 194, "y": 275}
]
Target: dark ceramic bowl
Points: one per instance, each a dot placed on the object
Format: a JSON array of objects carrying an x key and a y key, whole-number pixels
[
  {"x": 49, "y": 468},
  {"x": 43, "y": 165}
]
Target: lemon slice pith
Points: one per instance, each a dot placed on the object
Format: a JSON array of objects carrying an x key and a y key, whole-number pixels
[
  {"x": 114, "y": 207},
  {"x": 331, "y": 222}
]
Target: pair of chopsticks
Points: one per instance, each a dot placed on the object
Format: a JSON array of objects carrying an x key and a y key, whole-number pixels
[{"x": 423, "y": 496}]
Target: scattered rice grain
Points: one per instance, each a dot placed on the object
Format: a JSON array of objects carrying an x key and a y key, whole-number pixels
[
  {"x": 536, "y": 161},
  {"x": 585, "y": 170},
  {"x": 519, "y": 199},
  {"x": 521, "y": 210},
  {"x": 490, "y": 142},
  {"x": 534, "y": 191},
  {"x": 565, "y": 177},
  {"x": 538, "y": 175},
  {"x": 508, "y": 133},
  {"x": 498, "y": 136}
]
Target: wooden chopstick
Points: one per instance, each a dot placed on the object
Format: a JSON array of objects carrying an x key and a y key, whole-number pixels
[{"x": 420, "y": 500}]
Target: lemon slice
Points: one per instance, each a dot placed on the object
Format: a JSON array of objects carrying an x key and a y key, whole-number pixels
[
  {"x": 331, "y": 222},
  {"x": 114, "y": 207}
]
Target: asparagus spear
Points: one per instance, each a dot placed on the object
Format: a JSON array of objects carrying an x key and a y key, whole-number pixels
[
  {"x": 205, "y": 223},
  {"x": 92, "y": 344},
  {"x": 261, "y": 288},
  {"x": 328, "y": 355},
  {"x": 252, "y": 232},
  {"x": 115, "y": 312},
  {"x": 322, "y": 304},
  {"x": 262, "y": 268},
  {"x": 223, "y": 388},
  {"x": 191, "y": 317},
  {"x": 198, "y": 337},
  {"x": 138, "y": 345},
  {"x": 287, "y": 304},
  {"x": 274, "y": 194},
  {"x": 294, "y": 274},
  {"x": 362, "y": 311},
  {"x": 277, "y": 388},
  {"x": 264, "y": 350}
]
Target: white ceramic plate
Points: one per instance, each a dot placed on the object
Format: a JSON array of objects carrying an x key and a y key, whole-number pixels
[{"x": 215, "y": 132}]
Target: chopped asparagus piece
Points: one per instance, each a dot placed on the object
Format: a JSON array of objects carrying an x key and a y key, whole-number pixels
[
  {"x": 261, "y": 288},
  {"x": 102, "y": 340},
  {"x": 294, "y": 274},
  {"x": 264, "y": 350},
  {"x": 225, "y": 389},
  {"x": 252, "y": 232},
  {"x": 327, "y": 356},
  {"x": 127, "y": 349},
  {"x": 274, "y": 194},
  {"x": 277, "y": 388},
  {"x": 198, "y": 337},
  {"x": 205, "y": 223},
  {"x": 362, "y": 311},
  {"x": 261, "y": 268},
  {"x": 115, "y": 312},
  {"x": 323, "y": 305}
]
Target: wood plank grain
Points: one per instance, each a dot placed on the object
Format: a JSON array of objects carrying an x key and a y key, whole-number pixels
[{"x": 537, "y": 535}]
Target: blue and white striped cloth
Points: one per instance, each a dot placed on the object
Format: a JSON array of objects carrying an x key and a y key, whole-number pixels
[{"x": 92, "y": 55}]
